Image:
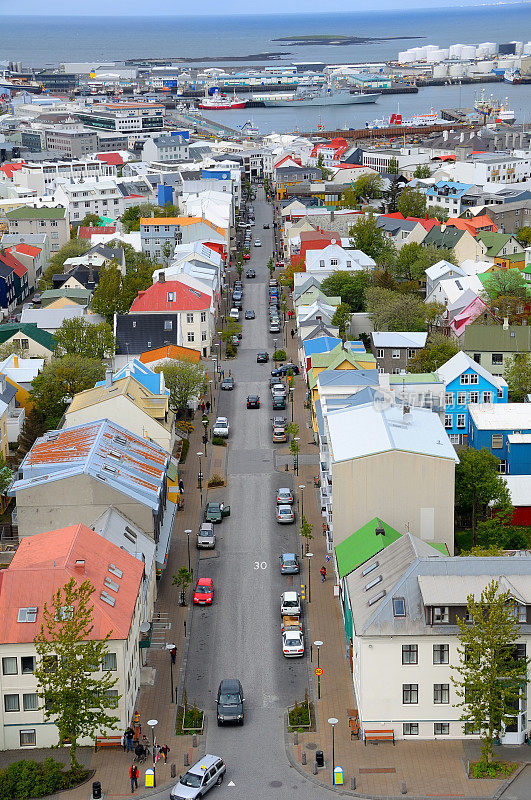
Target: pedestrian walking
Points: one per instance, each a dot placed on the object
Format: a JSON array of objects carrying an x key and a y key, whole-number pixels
[
  {"x": 292, "y": 333},
  {"x": 181, "y": 486},
  {"x": 208, "y": 406},
  {"x": 222, "y": 373},
  {"x": 164, "y": 750},
  {"x": 129, "y": 736},
  {"x": 133, "y": 775},
  {"x": 323, "y": 574},
  {"x": 203, "y": 406}
]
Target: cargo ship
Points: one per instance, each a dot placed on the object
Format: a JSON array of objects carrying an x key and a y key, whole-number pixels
[
  {"x": 317, "y": 97},
  {"x": 397, "y": 120}
]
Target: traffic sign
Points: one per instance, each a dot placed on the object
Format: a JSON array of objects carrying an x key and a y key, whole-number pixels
[{"x": 318, "y": 671}]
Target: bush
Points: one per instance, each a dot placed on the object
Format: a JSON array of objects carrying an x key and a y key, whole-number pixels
[
  {"x": 495, "y": 769},
  {"x": 216, "y": 480},
  {"x": 219, "y": 441},
  {"x": 279, "y": 355},
  {"x": 184, "y": 450},
  {"x": 230, "y": 351},
  {"x": 25, "y": 779}
]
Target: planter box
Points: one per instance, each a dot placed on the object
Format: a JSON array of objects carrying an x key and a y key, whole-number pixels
[
  {"x": 193, "y": 730},
  {"x": 305, "y": 726}
]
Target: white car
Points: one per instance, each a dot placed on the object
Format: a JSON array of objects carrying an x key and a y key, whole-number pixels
[
  {"x": 284, "y": 497},
  {"x": 285, "y": 515},
  {"x": 234, "y": 314},
  {"x": 257, "y": 243},
  {"x": 278, "y": 390},
  {"x": 293, "y": 644},
  {"x": 290, "y": 604},
  {"x": 221, "y": 427}
]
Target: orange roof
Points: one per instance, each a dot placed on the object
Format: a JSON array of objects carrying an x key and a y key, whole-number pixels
[
  {"x": 113, "y": 159},
  {"x": 46, "y": 562},
  {"x": 172, "y": 351},
  {"x": 26, "y": 249},
  {"x": 9, "y": 169},
  {"x": 474, "y": 224},
  {"x": 182, "y": 221}
]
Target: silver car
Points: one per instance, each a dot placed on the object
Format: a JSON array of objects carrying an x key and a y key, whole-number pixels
[
  {"x": 284, "y": 497},
  {"x": 285, "y": 515},
  {"x": 205, "y": 773}
]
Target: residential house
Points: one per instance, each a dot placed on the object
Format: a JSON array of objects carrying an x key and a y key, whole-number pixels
[
  {"x": 401, "y": 231},
  {"x": 53, "y": 222},
  {"x": 467, "y": 382},
  {"x": 32, "y": 249},
  {"x": 302, "y": 239},
  {"x": 345, "y": 356},
  {"x": 144, "y": 374},
  {"x": 34, "y": 341},
  {"x": 333, "y": 258},
  {"x": 419, "y": 389},
  {"x": 156, "y": 232},
  {"x": 493, "y": 345},
  {"x": 505, "y": 430},
  {"x": 20, "y": 372},
  {"x": 170, "y": 352},
  {"x": 100, "y": 196},
  {"x": 4, "y": 420},
  {"x": 165, "y": 148},
  {"x": 473, "y": 224},
  {"x": 59, "y": 298},
  {"x": 509, "y": 217},
  {"x": 373, "y": 451},
  {"x": 51, "y": 319},
  {"x": 462, "y": 243},
  {"x": 393, "y": 350},
  {"x": 451, "y": 195},
  {"x": 441, "y": 271},
  {"x": 20, "y": 274},
  {"x": 311, "y": 295},
  {"x": 520, "y": 495},
  {"x": 456, "y": 292},
  {"x": 29, "y": 257},
  {"x": 39, "y": 569},
  {"x": 289, "y": 176},
  {"x": 499, "y": 246}
]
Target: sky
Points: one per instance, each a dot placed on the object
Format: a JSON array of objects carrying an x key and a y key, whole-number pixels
[{"x": 170, "y": 7}]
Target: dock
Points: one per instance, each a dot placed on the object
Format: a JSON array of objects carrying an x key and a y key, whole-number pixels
[{"x": 395, "y": 131}]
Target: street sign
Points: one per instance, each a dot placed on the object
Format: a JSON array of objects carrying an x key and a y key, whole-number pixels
[{"x": 318, "y": 671}]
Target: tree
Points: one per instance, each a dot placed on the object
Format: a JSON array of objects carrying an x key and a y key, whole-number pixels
[
  {"x": 438, "y": 350},
  {"x": 438, "y": 212},
  {"x": 182, "y": 580},
  {"x": 365, "y": 235},
  {"x": 341, "y": 318},
  {"x": 72, "y": 249},
  {"x": 368, "y": 187},
  {"x": 517, "y": 373},
  {"x": 90, "y": 220},
  {"x": 76, "y": 336},
  {"x": 349, "y": 198},
  {"x": 505, "y": 282},
  {"x": 6, "y": 476},
  {"x": 413, "y": 260},
  {"x": 271, "y": 266},
  {"x": 479, "y": 487},
  {"x": 349, "y": 286},
  {"x": 11, "y": 348},
  {"x": 306, "y": 532},
  {"x": 186, "y": 380},
  {"x": 523, "y": 235},
  {"x": 422, "y": 171},
  {"x": 34, "y": 426},
  {"x": 74, "y": 693},
  {"x": 411, "y": 203},
  {"x": 491, "y": 675},
  {"x": 167, "y": 251},
  {"x": 399, "y": 311},
  {"x": 509, "y": 306},
  {"x": 393, "y": 167},
  {"x": 107, "y": 299},
  {"x": 325, "y": 172},
  {"x": 392, "y": 194},
  {"x": 60, "y": 380},
  {"x": 131, "y": 216}
]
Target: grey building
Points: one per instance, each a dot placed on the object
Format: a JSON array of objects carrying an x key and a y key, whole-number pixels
[
  {"x": 393, "y": 350},
  {"x": 111, "y": 142},
  {"x": 34, "y": 141},
  {"x": 51, "y": 221},
  {"x": 165, "y": 148},
  {"x": 492, "y": 345},
  {"x": 509, "y": 217},
  {"x": 73, "y": 142}
]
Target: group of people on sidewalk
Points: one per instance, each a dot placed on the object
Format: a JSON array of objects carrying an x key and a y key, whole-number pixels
[{"x": 131, "y": 742}]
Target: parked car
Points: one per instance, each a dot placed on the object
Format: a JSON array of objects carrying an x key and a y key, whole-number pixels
[
  {"x": 273, "y": 282},
  {"x": 284, "y": 497},
  {"x": 234, "y": 314},
  {"x": 206, "y": 538},
  {"x": 230, "y": 702},
  {"x": 289, "y": 564},
  {"x": 204, "y": 592},
  {"x": 284, "y": 369},
  {"x": 266, "y": 226},
  {"x": 250, "y": 273},
  {"x": 285, "y": 515},
  {"x": 246, "y": 257},
  {"x": 215, "y": 512},
  {"x": 280, "y": 435},
  {"x": 279, "y": 264},
  {"x": 235, "y": 340},
  {"x": 279, "y": 403},
  {"x": 279, "y": 390},
  {"x": 257, "y": 243},
  {"x": 279, "y": 422},
  {"x": 262, "y": 358},
  {"x": 249, "y": 314},
  {"x": 290, "y": 603},
  {"x": 253, "y": 401},
  {"x": 274, "y": 327},
  {"x": 227, "y": 384},
  {"x": 221, "y": 427},
  {"x": 199, "y": 779},
  {"x": 292, "y": 644}
]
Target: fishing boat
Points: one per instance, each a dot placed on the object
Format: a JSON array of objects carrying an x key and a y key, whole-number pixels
[
  {"x": 218, "y": 102},
  {"x": 512, "y": 76},
  {"x": 317, "y": 97},
  {"x": 493, "y": 109},
  {"x": 398, "y": 121}
]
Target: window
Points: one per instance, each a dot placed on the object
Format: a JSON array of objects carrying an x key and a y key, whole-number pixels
[
  {"x": 487, "y": 397},
  {"x": 112, "y": 697},
  {"x": 396, "y": 353},
  {"x": 30, "y": 702},
  {"x": 203, "y": 316},
  {"x": 24, "y": 344},
  {"x": 334, "y": 262},
  {"x": 11, "y": 702},
  {"x": 441, "y": 728},
  {"x": 410, "y": 728},
  {"x": 448, "y": 399},
  {"x": 9, "y": 665},
  {"x": 440, "y": 614},
  {"x": 411, "y": 353},
  {"x": 170, "y": 296},
  {"x": 27, "y": 614},
  {"x": 500, "y": 394},
  {"x": 497, "y": 441},
  {"x": 27, "y": 664},
  {"x": 502, "y": 467},
  {"x": 191, "y": 337},
  {"x": 448, "y": 422},
  {"x": 108, "y": 663},
  {"x": 461, "y": 420},
  {"x": 497, "y": 358},
  {"x": 477, "y": 358},
  {"x": 399, "y": 607},
  {"x": 474, "y": 378},
  {"x": 203, "y": 336},
  {"x": 370, "y": 568},
  {"x": 461, "y": 398},
  {"x": 474, "y": 397},
  {"x": 379, "y": 353},
  {"x": 410, "y": 654},
  {"x": 441, "y": 653},
  {"x": 28, "y": 738},
  {"x": 168, "y": 325},
  {"x": 189, "y": 318},
  {"x": 465, "y": 379},
  {"x": 441, "y": 693},
  {"x": 410, "y": 693}
]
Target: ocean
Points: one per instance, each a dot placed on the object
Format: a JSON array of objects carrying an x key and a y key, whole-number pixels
[{"x": 46, "y": 41}]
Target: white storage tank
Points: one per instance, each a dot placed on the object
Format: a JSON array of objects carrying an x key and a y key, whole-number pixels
[
  {"x": 405, "y": 57},
  {"x": 527, "y": 49},
  {"x": 445, "y": 53},
  {"x": 420, "y": 53},
  {"x": 484, "y": 67},
  {"x": 518, "y": 47},
  {"x": 457, "y": 70},
  {"x": 434, "y": 56},
  {"x": 488, "y": 48},
  {"x": 507, "y": 63},
  {"x": 455, "y": 50},
  {"x": 440, "y": 71},
  {"x": 468, "y": 53}
]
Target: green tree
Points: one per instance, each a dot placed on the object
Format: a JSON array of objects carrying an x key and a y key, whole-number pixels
[
  {"x": 517, "y": 373},
  {"x": 411, "y": 203},
  {"x": 90, "y": 220},
  {"x": 413, "y": 260},
  {"x": 349, "y": 198},
  {"x": 368, "y": 187},
  {"x": 6, "y": 476},
  {"x": 306, "y": 532},
  {"x": 392, "y": 194},
  {"x": 341, "y": 318},
  {"x": 325, "y": 172},
  {"x": 34, "y": 426},
  {"x": 182, "y": 580},
  {"x": 271, "y": 266},
  {"x": 399, "y": 311},
  {"x": 186, "y": 380},
  {"x": 438, "y": 212},
  {"x": 136, "y": 279},
  {"x": 11, "y": 348},
  {"x": 479, "y": 487},
  {"x": 438, "y": 350},
  {"x": 365, "y": 235},
  {"x": 523, "y": 235},
  {"x": 349, "y": 286},
  {"x": 76, "y": 336},
  {"x": 131, "y": 216},
  {"x": 505, "y": 282},
  {"x": 107, "y": 299},
  {"x": 393, "y": 167},
  {"x": 167, "y": 251},
  {"x": 491, "y": 677},
  {"x": 73, "y": 691},
  {"x": 72, "y": 249},
  {"x": 60, "y": 380},
  {"x": 422, "y": 171}
]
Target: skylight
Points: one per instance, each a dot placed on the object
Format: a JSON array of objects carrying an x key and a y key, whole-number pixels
[
  {"x": 373, "y": 583},
  {"x": 107, "y": 598},
  {"x": 27, "y": 614},
  {"x": 114, "y": 570},
  {"x": 111, "y": 584},
  {"x": 399, "y": 607},
  {"x": 370, "y": 568},
  {"x": 377, "y": 597}
]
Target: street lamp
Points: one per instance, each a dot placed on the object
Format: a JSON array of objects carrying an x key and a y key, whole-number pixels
[
  {"x": 200, "y": 478},
  {"x": 333, "y": 722},
  {"x": 211, "y": 382},
  {"x": 297, "y": 440},
  {"x": 275, "y": 351},
  {"x": 205, "y": 435},
  {"x": 152, "y": 723},
  {"x": 309, "y": 556},
  {"x": 318, "y": 644},
  {"x": 291, "y": 390},
  {"x": 172, "y": 649},
  {"x": 188, "y": 532},
  {"x": 302, "y": 487}
]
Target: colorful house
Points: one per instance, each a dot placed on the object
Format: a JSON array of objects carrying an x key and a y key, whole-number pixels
[{"x": 505, "y": 430}]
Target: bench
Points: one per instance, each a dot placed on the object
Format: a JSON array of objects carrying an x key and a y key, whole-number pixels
[
  {"x": 386, "y": 735},
  {"x": 107, "y": 741},
  {"x": 354, "y": 724}
]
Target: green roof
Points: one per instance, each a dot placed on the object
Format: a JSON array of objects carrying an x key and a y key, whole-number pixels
[
  {"x": 514, "y": 256},
  {"x": 30, "y": 330},
  {"x": 494, "y": 339},
  {"x": 312, "y": 293},
  {"x": 81, "y": 296},
  {"x": 362, "y": 545},
  {"x": 28, "y": 212},
  {"x": 493, "y": 241},
  {"x": 415, "y": 377}
]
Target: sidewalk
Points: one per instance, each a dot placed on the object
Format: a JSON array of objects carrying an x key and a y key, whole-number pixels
[{"x": 429, "y": 768}]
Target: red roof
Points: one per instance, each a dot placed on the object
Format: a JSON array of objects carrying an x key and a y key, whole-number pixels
[
  {"x": 112, "y": 159},
  {"x": 26, "y": 249},
  {"x": 157, "y": 298},
  {"x": 338, "y": 145},
  {"x": 44, "y": 563},
  {"x": 9, "y": 169},
  {"x": 85, "y": 232},
  {"x": 427, "y": 222},
  {"x": 473, "y": 225},
  {"x": 295, "y": 159},
  {"x": 10, "y": 261}
]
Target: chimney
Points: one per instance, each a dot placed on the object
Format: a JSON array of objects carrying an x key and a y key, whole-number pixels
[
  {"x": 162, "y": 276},
  {"x": 3, "y": 383},
  {"x": 379, "y": 530},
  {"x": 108, "y": 377},
  {"x": 15, "y": 361},
  {"x": 506, "y": 323},
  {"x": 79, "y": 565},
  {"x": 445, "y": 136},
  {"x": 406, "y": 410}
]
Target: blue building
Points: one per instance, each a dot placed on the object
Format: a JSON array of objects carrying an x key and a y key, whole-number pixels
[
  {"x": 150, "y": 380},
  {"x": 505, "y": 430},
  {"x": 467, "y": 382}
]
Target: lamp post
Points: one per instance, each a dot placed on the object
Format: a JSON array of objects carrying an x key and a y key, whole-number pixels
[
  {"x": 275, "y": 351},
  {"x": 309, "y": 556},
  {"x": 152, "y": 723},
  {"x": 302, "y": 487},
  {"x": 172, "y": 649},
  {"x": 188, "y": 532},
  {"x": 291, "y": 397},
  {"x": 318, "y": 644},
  {"x": 297, "y": 440},
  {"x": 205, "y": 435},
  {"x": 333, "y": 722},
  {"x": 210, "y": 383},
  {"x": 200, "y": 478}
]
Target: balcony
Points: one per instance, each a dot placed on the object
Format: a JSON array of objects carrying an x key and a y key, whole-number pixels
[{"x": 15, "y": 421}]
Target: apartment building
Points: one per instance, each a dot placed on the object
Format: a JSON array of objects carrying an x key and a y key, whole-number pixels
[
  {"x": 41, "y": 177},
  {"x": 73, "y": 142},
  {"x": 53, "y": 222},
  {"x": 137, "y": 120},
  {"x": 488, "y": 168},
  {"x": 102, "y": 197}
]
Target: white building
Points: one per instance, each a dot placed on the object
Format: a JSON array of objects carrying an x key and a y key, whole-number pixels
[
  {"x": 101, "y": 197},
  {"x": 41, "y": 177},
  {"x": 333, "y": 258},
  {"x": 485, "y": 169},
  {"x": 165, "y": 148}
]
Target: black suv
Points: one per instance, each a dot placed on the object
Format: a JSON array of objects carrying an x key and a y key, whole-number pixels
[{"x": 230, "y": 702}]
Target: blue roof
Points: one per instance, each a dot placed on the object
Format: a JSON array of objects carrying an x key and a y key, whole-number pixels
[
  {"x": 457, "y": 188},
  {"x": 348, "y": 377},
  {"x": 150, "y": 380},
  {"x": 324, "y": 344}
]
